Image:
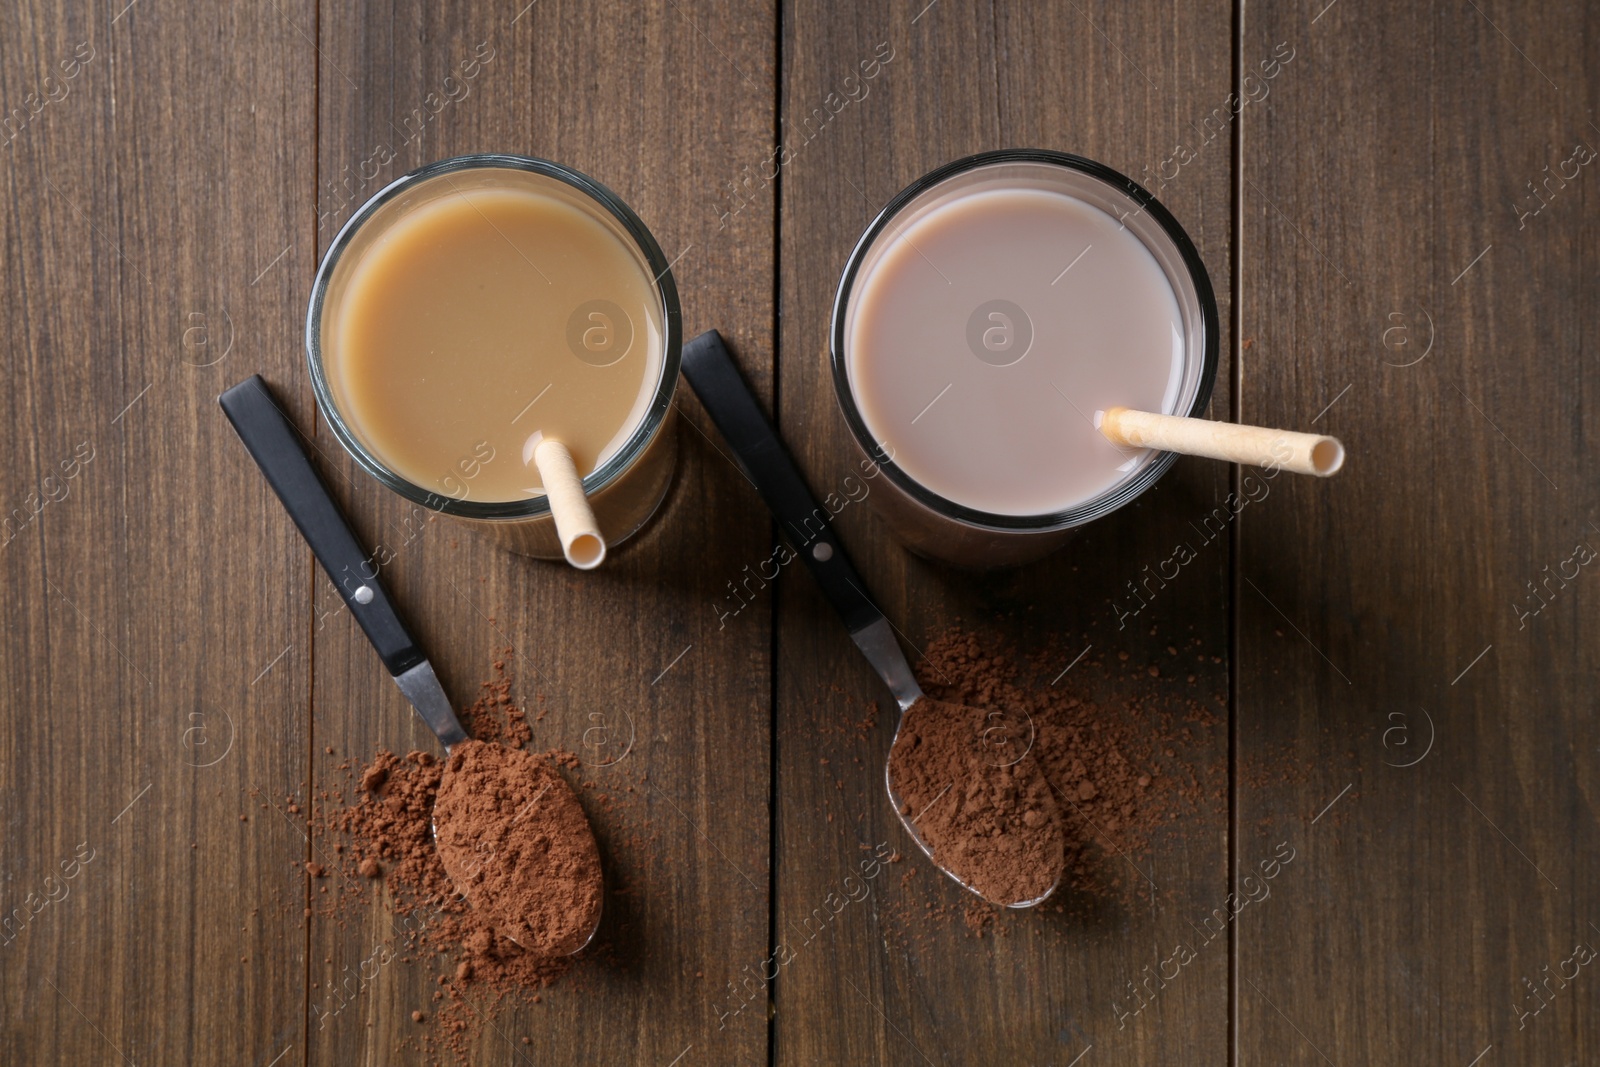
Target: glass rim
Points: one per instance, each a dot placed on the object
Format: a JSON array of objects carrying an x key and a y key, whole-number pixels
[
  {"x": 672, "y": 336},
  {"x": 1117, "y": 495}
]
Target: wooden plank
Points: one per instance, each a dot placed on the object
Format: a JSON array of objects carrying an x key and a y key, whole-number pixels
[
  {"x": 890, "y": 983},
  {"x": 157, "y": 173},
  {"x": 654, "y": 103},
  {"x": 1400, "y": 272}
]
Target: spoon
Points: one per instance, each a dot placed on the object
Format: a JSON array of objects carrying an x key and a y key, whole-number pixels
[
  {"x": 273, "y": 443},
  {"x": 768, "y": 465}
]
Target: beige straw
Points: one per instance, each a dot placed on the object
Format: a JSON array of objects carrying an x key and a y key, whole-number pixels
[
  {"x": 581, "y": 540},
  {"x": 1301, "y": 453}
]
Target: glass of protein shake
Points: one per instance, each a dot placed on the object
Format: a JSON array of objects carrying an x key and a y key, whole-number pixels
[
  {"x": 481, "y": 304},
  {"x": 986, "y": 315}
]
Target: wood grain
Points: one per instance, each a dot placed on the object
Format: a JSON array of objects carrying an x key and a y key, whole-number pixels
[
  {"x": 1412, "y": 645},
  {"x": 627, "y": 96},
  {"x": 1388, "y": 273},
  {"x": 889, "y": 982},
  {"x": 153, "y": 236}
]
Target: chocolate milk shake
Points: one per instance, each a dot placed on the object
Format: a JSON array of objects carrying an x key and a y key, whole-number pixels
[{"x": 989, "y": 330}]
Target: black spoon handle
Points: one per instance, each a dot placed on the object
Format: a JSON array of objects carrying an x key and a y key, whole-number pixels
[
  {"x": 274, "y": 443},
  {"x": 806, "y": 524}
]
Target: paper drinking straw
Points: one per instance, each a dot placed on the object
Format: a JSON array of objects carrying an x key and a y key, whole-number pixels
[
  {"x": 1302, "y": 453},
  {"x": 581, "y": 540}
]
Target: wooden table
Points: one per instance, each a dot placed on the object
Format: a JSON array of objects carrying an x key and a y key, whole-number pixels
[{"x": 1397, "y": 208}]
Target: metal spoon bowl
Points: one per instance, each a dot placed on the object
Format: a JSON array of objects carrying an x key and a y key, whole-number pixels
[{"x": 878, "y": 643}]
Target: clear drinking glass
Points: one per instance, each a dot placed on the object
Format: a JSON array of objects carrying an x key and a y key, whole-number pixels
[
  {"x": 624, "y": 490},
  {"x": 942, "y": 529}
]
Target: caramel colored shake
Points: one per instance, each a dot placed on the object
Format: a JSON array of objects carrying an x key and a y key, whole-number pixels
[
  {"x": 452, "y": 343},
  {"x": 480, "y": 305}
]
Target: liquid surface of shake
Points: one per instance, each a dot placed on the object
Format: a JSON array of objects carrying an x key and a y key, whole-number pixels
[
  {"x": 482, "y": 316},
  {"x": 984, "y": 331}
]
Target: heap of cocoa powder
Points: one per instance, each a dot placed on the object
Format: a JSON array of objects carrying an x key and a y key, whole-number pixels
[
  {"x": 987, "y": 815},
  {"x": 1111, "y": 760},
  {"x": 383, "y": 841},
  {"x": 514, "y": 838}
]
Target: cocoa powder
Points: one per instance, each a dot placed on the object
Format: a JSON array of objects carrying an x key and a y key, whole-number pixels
[
  {"x": 514, "y": 838},
  {"x": 382, "y": 843},
  {"x": 981, "y": 805},
  {"x": 494, "y": 716},
  {"x": 1128, "y": 749}
]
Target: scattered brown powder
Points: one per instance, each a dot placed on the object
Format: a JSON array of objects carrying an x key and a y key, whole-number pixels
[
  {"x": 383, "y": 843},
  {"x": 1111, "y": 762},
  {"x": 1132, "y": 750},
  {"x": 389, "y": 831},
  {"x": 493, "y": 716},
  {"x": 515, "y": 839},
  {"x": 986, "y": 814},
  {"x": 373, "y": 777}
]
